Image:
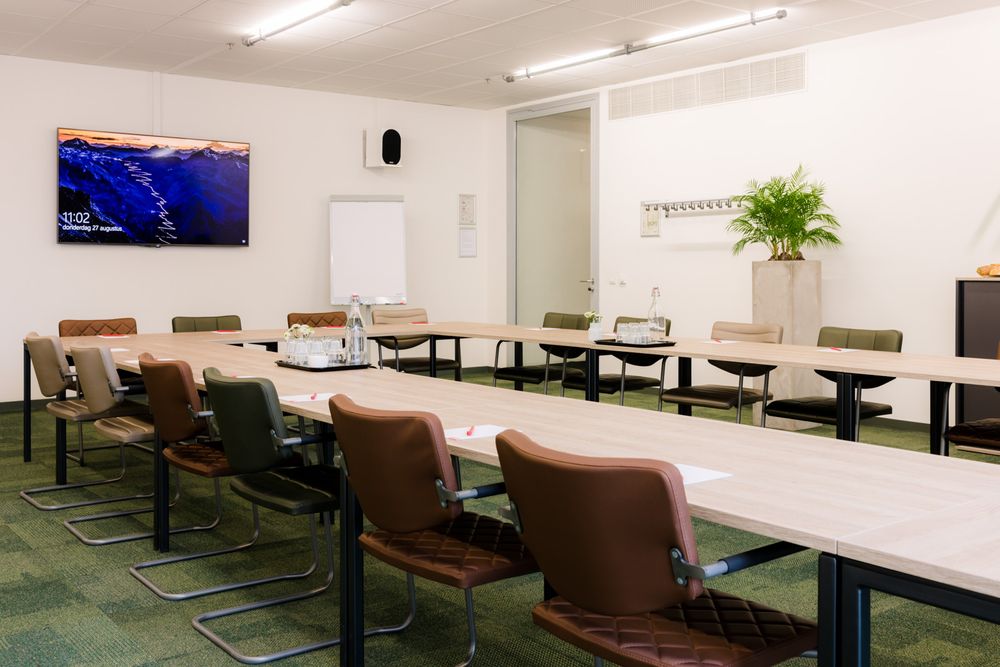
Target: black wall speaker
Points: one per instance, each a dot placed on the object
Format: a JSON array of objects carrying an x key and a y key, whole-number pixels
[{"x": 391, "y": 147}]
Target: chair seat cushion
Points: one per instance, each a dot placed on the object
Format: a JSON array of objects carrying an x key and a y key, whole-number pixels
[
  {"x": 713, "y": 629},
  {"x": 712, "y": 396},
  {"x": 468, "y": 551},
  {"x": 982, "y": 433},
  {"x": 138, "y": 428},
  {"x": 293, "y": 491},
  {"x": 418, "y": 364},
  {"x": 535, "y": 374},
  {"x": 207, "y": 459},
  {"x": 610, "y": 383},
  {"x": 75, "y": 410},
  {"x": 821, "y": 409}
]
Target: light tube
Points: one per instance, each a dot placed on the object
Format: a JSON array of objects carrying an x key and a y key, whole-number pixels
[
  {"x": 753, "y": 18},
  {"x": 290, "y": 19}
]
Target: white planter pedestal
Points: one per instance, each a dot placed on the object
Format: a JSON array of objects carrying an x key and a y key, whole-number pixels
[{"x": 788, "y": 293}]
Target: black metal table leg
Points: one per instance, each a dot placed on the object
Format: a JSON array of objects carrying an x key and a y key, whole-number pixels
[
  {"x": 846, "y": 407},
  {"x": 61, "y": 445},
  {"x": 352, "y": 599},
  {"x": 161, "y": 498},
  {"x": 26, "y": 405},
  {"x": 592, "y": 393},
  {"x": 829, "y": 609},
  {"x": 684, "y": 380},
  {"x": 518, "y": 361},
  {"x": 939, "y": 417},
  {"x": 434, "y": 356},
  {"x": 859, "y": 579}
]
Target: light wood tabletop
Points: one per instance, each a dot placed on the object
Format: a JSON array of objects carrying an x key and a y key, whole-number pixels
[{"x": 808, "y": 490}]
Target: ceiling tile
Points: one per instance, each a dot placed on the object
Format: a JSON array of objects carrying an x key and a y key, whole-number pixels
[
  {"x": 185, "y": 27},
  {"x": 317, "y": 63},
  {"x": 218, "y": 67},
  {"x": 381, "y": 72},
  {"x": 356, "y": 52},
  {"x": 171, "y": 8},
  {"x": 621, "y": 8},
  {"x": 91, "y": 33},
  {"x": 441, "y": 79},
  {"x": 374, "y": 13},
  {"x": 11, "y": 42},
  {"x": 688, "y": 14},
  {"x": 508, "y": 35},
  {"x": 58, "y": 48},
  {"x": 562, "y": 19},
  {"x": 46, "y": 9},
  {"x": 113, "y": 17},
  {"x": 284, "y": 76},
  {"x": 869, "y": 23},
  {"x": 938, "y": 8},
  {"x": 330, "y": 27},
  {"x": 403, "y": 89},
  {"x": 621, "y": 31},
  {"x": 420, "y": 60},
  {"x": 391, "y": 38},
  {"x": 142, "y": 57},
  {"x": 824, "y": 11},
  {"x": 462, "y": 48},
  {"x": 229, "y": 12},
  {"x": 441, "y": 24},
  {"x": 31, "y": 25},
  {"x": 492, "y": 10},
  {"x": 181, "y": 45}
]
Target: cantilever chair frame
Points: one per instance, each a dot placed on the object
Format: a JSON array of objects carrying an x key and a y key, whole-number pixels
[{"x": 563, "y": 352}]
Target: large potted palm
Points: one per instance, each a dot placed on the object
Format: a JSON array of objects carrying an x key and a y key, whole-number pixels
[{"x": 787, "y": 214}]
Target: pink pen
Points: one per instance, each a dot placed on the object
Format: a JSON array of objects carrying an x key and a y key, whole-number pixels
[
  {"x": 471, "y": 429},
  {"x": 716, "y": 340},
  {"x": 313, "y": 397},
  {"x": 837, "y": 349}
]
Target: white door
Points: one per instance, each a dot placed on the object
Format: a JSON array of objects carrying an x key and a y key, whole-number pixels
[{"x": 553, "y": 235}]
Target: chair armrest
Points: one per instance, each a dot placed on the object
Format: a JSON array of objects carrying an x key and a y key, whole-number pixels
[
  {"x": 684, "y": 570},
  {"x": 496, "y": 355},
  {"x": 311, "y": 439},
  {"x": 446, "y": 495},
  {"x": 202, "y": 414}
]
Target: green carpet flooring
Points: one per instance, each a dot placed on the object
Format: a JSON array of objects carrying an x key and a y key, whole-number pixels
[{"x": 63, "y": 603}]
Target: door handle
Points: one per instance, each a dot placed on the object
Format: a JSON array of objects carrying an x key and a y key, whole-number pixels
[{"x": 589, "y": 281}]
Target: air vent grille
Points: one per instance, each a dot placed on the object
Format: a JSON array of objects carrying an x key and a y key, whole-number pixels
[{"x": 770, "y": 76}]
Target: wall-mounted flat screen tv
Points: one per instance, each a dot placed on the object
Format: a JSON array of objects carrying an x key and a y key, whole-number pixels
[{"x": 123, "y": 188}]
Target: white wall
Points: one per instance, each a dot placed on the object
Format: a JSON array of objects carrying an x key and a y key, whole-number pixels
[
  {"x": 305, "y": 146},
  {"x": 901, "y": 125}
]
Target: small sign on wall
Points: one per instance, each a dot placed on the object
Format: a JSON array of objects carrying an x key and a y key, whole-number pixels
[{"x": 467, "y": 242}]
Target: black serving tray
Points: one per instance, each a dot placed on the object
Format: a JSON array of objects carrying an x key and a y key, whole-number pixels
[
  {"x": 615, "y": 343},
  {"x": 313, "y": 369}
]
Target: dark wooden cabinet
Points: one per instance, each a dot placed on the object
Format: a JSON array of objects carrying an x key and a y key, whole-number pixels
[{"x": 977, "y": 334}]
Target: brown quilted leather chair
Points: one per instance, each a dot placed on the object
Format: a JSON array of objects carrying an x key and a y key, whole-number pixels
[
  {"x": 334, "y": 318},
  {"x": 387, "y": 315},
  {"x": 724, "y": 397},
  {"x": 399, "y": 466},
  {"x": 120, "y": 326},
  {"x": 981, "y": 436},
  {"x": 48, "y": 358},
  {"x": 607, "y": 534}
]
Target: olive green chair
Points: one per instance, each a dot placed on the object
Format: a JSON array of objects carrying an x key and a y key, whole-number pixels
[
  {"x": 724, "y": 397},
  {"x": 182, "y": 324},
  {"x": 544, "y": 373},
  {"x": 823, "y": 409},
  {"x": 609, "y": 383}
]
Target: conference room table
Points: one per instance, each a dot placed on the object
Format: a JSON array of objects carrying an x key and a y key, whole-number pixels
[
  {"x": 940, "y": 371},
  {"x": 877, "y": 515}
]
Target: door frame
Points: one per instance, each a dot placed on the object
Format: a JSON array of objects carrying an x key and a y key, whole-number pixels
[{"x": 591, "y": 102}]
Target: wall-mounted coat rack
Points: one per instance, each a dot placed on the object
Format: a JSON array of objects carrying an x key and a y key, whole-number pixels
[{"x": 690, "y": 206}]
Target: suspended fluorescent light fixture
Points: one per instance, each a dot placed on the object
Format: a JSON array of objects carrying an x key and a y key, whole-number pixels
[
  {"x": 740, "y": 21},
  {"x": 290, "y": 19}
]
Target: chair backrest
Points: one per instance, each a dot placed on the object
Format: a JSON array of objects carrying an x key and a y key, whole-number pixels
[
  {"x": 119, "y": 325},
  {"x": 333, "y": 318},
  {"x": 247, "y": 411},
  {"x": 393, "y": 460},
  {"x": 879, "y": 340},
  {"x": 601, "y": 529},
  {"x": 564, "y": 321},
  {"x": 49, "y": 361},
  {"x": 183, "y": 324},
  {"x": 171, "y": 391},
  {"x": 749, "y": 332},
  {"x": 386, "y": 315},
  {"x": 632, "y": 357},
  {"x": 95, "y": 368}
]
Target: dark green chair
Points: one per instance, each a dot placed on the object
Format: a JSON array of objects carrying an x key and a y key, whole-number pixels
[
  {"x": 609, "y": 383},
  {"x": 543, "y": 373},
  {"x": 823, "y": 409},
  {"x": 182, "y": 324},
  {"x": 261, "y": 454}
]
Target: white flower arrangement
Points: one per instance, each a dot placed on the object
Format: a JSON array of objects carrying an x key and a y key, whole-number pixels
[
  {"x": 593, "y": 317},
  {"x": 298, "y": 331}
]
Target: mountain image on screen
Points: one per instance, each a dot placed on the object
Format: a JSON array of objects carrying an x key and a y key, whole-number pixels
[{"x": 138, "y": 189}]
